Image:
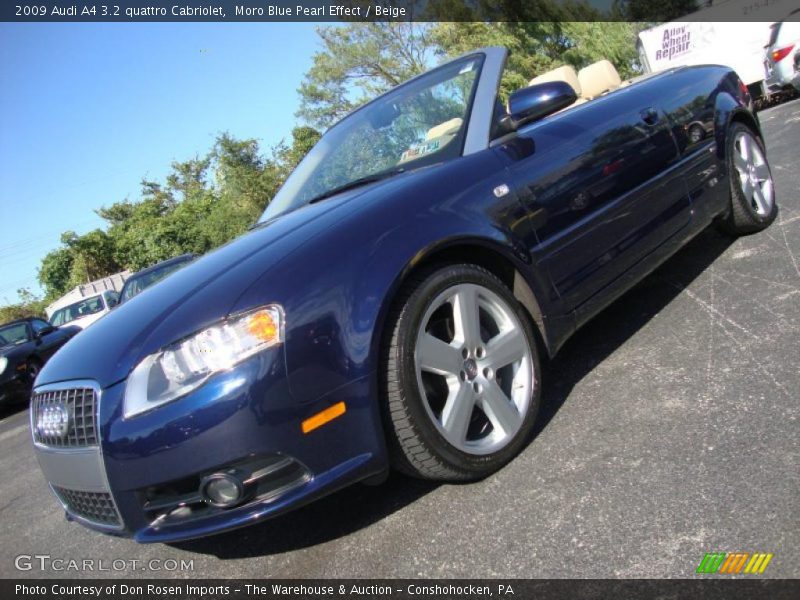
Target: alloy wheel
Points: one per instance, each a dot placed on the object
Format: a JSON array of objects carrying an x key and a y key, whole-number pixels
[
  {"x": 474, "y": 368},
  {"x": 754, "y": 174}
]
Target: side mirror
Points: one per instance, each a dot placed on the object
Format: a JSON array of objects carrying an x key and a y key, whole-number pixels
[
  {"x": 537, "y": 101},
  {"x": 45, "y": 330}
]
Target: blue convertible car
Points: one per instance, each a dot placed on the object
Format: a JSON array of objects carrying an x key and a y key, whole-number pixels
[{"x": 392, "y": 306}]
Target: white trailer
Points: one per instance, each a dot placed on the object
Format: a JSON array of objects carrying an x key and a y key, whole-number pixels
[{"x": 699, "y": 39}]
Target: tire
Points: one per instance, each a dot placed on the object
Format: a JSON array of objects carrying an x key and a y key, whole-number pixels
[
  {"x": 34, "y": 366},
  {"x": 453, "y": 410},
  {"x": 752, "y": 206}
]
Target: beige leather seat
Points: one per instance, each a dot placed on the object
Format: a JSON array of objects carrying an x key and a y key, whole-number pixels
[
  {"x": 598, "y": 78},
  {"x": 447, "y": 128},
  {"x": 436, "y": 138},
  {"x": 566, "y": 74},
  {"x": 590, "y": 82}
]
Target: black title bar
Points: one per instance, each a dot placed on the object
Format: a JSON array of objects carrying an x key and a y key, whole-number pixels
[
  {"x": 710, "y": 588},
  {"x": 134, "y": 11}
]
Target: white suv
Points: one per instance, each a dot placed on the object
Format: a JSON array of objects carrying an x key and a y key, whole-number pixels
[
  {"x": 86, "y": 311},
  {"x": 782, "y": 62}
]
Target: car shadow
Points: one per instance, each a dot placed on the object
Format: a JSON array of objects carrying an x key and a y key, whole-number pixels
[
  {"x": 332, "y": 517},
  {"x": 610, "y": 329},
  {"x": 359, "y": 506}
]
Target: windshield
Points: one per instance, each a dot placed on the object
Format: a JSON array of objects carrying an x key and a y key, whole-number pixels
[
  {"x": 419, "y": 123},
  {"x": 13, "y": 334},
  {"x": 80, "y": 309},
  {"x": 138, "y": 283}
]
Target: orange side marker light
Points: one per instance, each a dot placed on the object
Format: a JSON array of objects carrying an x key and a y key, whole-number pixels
[{"x": 322, "y": 417}]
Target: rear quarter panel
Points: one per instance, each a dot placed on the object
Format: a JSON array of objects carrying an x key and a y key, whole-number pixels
[{"x": 711, "y": 97}]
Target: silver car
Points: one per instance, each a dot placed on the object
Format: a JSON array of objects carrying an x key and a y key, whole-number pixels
[{"x": 782, "y": 62}]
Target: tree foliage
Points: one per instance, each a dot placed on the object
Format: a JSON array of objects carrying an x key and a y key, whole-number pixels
[
  {"x": 28, "y": 305},
  {"x": 203, "y": 203},
  {"x": 359, "y": 61},
  {"x": 664, "y": 10}
]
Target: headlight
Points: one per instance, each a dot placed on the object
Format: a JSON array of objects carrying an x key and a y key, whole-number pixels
[
  {"x": 3, "y": 364},
  {"x": 185, "y": 365}
]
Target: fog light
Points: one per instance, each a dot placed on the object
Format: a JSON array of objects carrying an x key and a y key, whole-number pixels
[{"x": 222, "y": 489}]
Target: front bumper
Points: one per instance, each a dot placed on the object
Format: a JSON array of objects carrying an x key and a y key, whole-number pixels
[{"x": 154, "y": 462}]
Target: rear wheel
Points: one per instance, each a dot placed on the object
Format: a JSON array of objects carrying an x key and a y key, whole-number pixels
[
  {"x": 696, "y": 134},
  {"x": 461, "y": 374},
  {"x": 753, "y": 205}
]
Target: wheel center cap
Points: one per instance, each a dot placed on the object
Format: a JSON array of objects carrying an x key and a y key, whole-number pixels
[{"x": 471, "y": 368}]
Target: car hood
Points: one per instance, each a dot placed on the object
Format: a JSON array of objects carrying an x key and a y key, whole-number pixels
[{"x": 190, "y": 299}]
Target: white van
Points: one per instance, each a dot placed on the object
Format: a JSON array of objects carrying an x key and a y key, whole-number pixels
[
  {"x": 736, "y": 45},
  {"x": 86, "y": 311}
]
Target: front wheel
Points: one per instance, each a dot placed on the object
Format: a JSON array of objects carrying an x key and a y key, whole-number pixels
[
  {"x": 461, "y": 375},
  {"x": 753, "y": 205}
]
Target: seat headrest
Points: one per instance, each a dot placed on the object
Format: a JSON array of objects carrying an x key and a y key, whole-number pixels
[
  {"x": 566, "y": 74},
  {"x": 445, "y": 128},
  {"x": 598, "y": 78}
]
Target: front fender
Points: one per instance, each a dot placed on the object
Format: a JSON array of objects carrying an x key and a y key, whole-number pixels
[{"x": 337, "y": 288}]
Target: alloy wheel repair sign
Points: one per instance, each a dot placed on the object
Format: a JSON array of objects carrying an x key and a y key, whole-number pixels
[{"x": 737, "y": 45}]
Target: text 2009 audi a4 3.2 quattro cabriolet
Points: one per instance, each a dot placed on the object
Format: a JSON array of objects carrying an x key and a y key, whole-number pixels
[{"x": 392, "y": 305}]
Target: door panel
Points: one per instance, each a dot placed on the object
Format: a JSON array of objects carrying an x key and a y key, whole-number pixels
[{"x": 602, "y": 190}]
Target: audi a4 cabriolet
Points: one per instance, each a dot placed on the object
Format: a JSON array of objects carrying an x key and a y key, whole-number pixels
[{"x": 393, "y": 304}]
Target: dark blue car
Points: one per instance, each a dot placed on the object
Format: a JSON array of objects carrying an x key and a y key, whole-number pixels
[{"x": 392, "y": 306}]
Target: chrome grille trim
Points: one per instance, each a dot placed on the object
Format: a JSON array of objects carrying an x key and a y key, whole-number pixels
[{"x": 82, "y": 406}]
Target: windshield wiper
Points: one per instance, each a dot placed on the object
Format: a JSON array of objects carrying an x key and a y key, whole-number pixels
[{"x": 354, "y": 184}]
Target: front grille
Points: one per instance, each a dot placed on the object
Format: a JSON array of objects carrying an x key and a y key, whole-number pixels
[
  {"x": 81, "y": 404},
  {"x": 97, "y": 507}
]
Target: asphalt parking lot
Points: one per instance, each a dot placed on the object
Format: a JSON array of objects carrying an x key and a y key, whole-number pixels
[{"x": 669, "y": 429}]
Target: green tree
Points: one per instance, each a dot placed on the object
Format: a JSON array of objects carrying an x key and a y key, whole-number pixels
[
  {"x": 95, "y": 253},
  {"x": 532, "y": 46},
  {"x": 357, "y": 62},
  {"x": 662, "y": 11},
  {"x": 29, "y": 305},
  {"x": 288, "y": 156},
  {"x": 54, "y": 272},
  {"x": 204, "y": 202},
  {"x": 589, "y": 42}
]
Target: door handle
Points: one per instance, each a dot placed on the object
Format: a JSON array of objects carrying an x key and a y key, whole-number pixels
[{"x": 649, "y": 115}]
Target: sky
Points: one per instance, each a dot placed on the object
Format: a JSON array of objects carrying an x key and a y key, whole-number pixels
[{"x": 88, "y": 110}]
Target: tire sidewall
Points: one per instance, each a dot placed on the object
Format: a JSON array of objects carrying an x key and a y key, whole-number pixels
[
  {"x": 737, "y": 196},
  {"x": 416, "y": 307}
]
